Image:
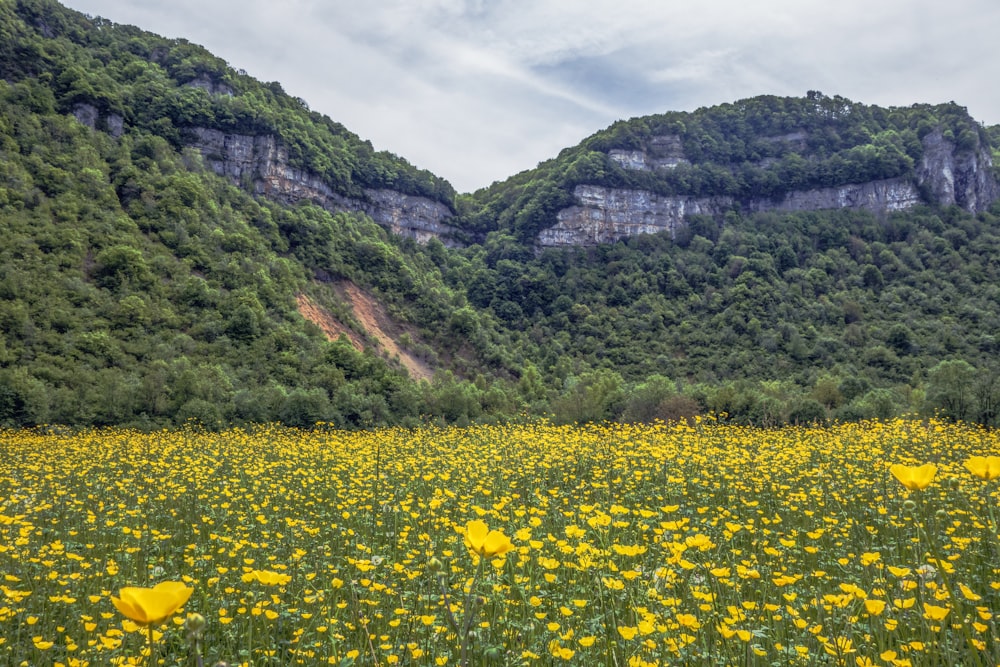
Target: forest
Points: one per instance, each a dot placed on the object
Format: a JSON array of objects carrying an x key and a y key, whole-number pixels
[{"x": 140, "y": 288}]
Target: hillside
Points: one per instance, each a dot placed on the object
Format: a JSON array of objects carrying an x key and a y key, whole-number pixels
[
  {"x": 646, "y": 175},
  {"x": 182, "y": 242}
]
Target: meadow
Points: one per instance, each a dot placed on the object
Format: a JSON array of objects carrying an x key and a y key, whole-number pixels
[{"x": 703, "y": 544}]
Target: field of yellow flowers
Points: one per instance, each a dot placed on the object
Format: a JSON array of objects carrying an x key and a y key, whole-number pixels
[{"x": 508, "y": 545}]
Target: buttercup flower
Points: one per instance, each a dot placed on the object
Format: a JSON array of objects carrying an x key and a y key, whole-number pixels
[
  {"x": 984, "y": 467},
  {"x": 266, "y": 577},
  {"x": 485, "y": 542},
  {"x": 152, "y": 606},
  {"x": 914, "y": 477}
]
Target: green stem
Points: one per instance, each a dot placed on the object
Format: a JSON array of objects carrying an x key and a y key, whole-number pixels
[
  {"x": 992, "y": 524},
  {"x": 936, "y": 551},
  {"x": 449, "y": 616},
  {"x": 152, "y": 645},
  {"x": 470, "y": 613}
]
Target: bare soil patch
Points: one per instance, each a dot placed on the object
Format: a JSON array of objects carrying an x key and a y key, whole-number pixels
[{"x": 373, "y": 318}]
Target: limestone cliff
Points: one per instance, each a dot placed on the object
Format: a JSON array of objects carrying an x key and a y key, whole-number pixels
[
  {"x": 946, "y": 175},
  {"x": 885, "y": 196},
  {"x": 605, "y": 215},
  {"x": 91, "y": 116},
  {"x": 957, "y": 177},
  {"x": 261, "y": 164}
]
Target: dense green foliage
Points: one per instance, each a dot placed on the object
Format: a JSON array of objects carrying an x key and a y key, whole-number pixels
[
  {"x": 858, "y": 310},
  {"x": 138, "y": 287}
]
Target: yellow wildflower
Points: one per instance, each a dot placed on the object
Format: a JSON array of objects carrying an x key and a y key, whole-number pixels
[
  {"x": 984, "y": 467},
  {"x": 152, "y": 606},
  {"x": 914, "y": 478},
  {"x": 485, "y": 542}
]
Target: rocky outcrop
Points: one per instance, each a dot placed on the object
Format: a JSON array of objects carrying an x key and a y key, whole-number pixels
[
  {"x": 894, "y": 194},
  {"x": 211, "y": 86},
  {"x": 945, "y": 176},
  {"x": 261, "y": 164},
  {"x": 418, "y": 218},
  {"x": 661, "y": 152},
  {"x": 605, "y": 215},
  {"x": 957, "y": 177},
  {"x": 91, "y": 116}
]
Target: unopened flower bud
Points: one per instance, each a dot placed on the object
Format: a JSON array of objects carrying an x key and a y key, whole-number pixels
[
  {"x": 434, "y": 565},
  {"x": 194, "y": 624}
]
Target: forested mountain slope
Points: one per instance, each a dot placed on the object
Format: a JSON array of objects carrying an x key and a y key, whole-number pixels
[
  {"x": 180, "y": 241},
  {"x": 137, "y": 284},
  {"x": 767, "y": 153}
]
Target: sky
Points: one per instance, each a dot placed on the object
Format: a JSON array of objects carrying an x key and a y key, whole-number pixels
[{"x": 479, "y": 90}]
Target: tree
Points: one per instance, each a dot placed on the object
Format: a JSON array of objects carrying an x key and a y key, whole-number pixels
[
  {"x": 950, "y": 388},
  {"x": 593, "y": 397},
  {"x": 987, "y": 398},
  {"x": 121, "y": 266},
  {"x": 645, "y": 400},
  {"x": 878, "y": 404},
  {"x": 900, "y": 339}
]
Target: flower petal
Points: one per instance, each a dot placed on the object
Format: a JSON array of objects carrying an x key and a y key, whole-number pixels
[
  {"x": 152, "y": 605},
  {"x": 129, "y": 610},
  {"x": 475, "y": 535},
  {"x": 984, "y": 467},
  {"x": 914, "y": 477},
  {"x": 496, "y": 543}
]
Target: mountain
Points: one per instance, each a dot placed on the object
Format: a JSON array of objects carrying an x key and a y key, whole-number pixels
[
  {"x": 647, "y": 175},
  {"x": 183, "y": 242}
]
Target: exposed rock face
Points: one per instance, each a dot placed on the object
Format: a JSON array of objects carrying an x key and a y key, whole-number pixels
[
  {"x": 210, "y": 86},
  {"x": 89, "y": 115},
  {"x": 947, "y": 175},
  {"x": 894, "y": 194},
  {"x": 663, "y": 152},
  {"x": 957, "y": 177},
  {"x": 261, "y": 163},
  {"x": 605, "y": 215},
  {"x": 418, "y": 218}
]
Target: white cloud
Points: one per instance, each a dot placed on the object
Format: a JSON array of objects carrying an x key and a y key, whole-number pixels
[{"x": 476, "y": 90}]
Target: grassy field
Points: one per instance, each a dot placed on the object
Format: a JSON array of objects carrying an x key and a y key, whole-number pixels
[{"x": 703, "y": 545}]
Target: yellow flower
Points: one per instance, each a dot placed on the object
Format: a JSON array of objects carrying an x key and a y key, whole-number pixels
[
  {"x": 984, "y": 467},
  {"x": 559, "y": 651},
  {"x": 485, "y": 542},
  {"x": 969, "y": 593},
  {"x": 266, "y": 577},
  {"x": 914, "y": 478},
  {"x": 152, "y": 606},
  {"x": 935, "y": 613},
  {"x": 41, "y": 644},
  {"x": 688, "y": 621},
  {"x": 874, "y": 607}
]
